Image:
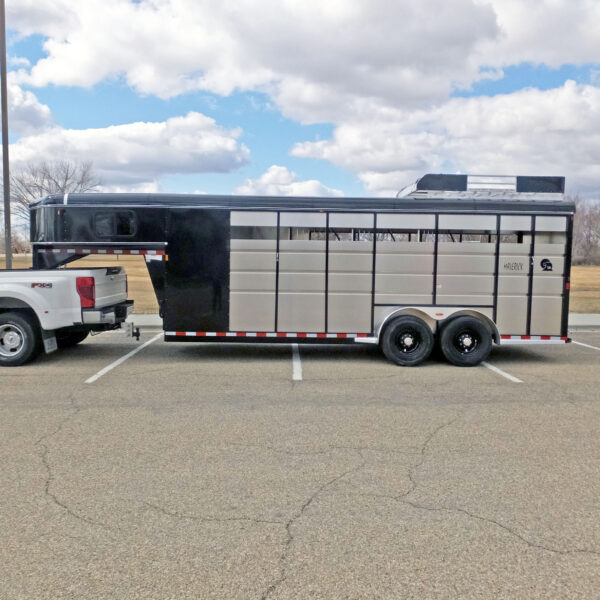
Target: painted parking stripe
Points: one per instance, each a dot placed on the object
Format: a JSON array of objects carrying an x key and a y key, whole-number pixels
[
  {"x": 121, "y": 360},
  {"x": 296, "y": 363},
  {"x": 586, "y": 345},
  {"x": 501, "y": 372}
]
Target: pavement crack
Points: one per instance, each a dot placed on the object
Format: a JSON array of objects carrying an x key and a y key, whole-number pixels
[
  {"x": 511, "y": 531},
  {"x": 207, "y": 519},
  {"x": 423, "y": 453},
  {"x": 328, "y": 450},
  {"x": 290, "y": 523},
  {"x": 403, "y": 498},
  {"x": 74, "y": 409},
  {"x": 55, "y": 499},
  {"x": 42, "y": 444}
]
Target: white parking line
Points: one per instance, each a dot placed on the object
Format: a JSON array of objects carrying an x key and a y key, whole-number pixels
[
  {"x": 586, "y": 345},
  {"x": 296, "y": 364},
  {"x": 121, "y": 360},
  {"x": 501, "y": 372}
]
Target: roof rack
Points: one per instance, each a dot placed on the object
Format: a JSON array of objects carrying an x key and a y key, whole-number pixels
[{"x": 509, "y": 187}]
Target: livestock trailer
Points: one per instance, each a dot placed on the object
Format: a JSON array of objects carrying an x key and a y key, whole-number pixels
[{"x": 462, "y": 260}]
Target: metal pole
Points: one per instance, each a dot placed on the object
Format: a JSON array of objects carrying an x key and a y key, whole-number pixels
[{"x": 5, "y": 171}]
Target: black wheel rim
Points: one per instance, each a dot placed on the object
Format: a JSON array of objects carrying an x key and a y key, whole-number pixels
[
  {"x": 466, "y": 341},
  {"x": 408, "y": 340}
]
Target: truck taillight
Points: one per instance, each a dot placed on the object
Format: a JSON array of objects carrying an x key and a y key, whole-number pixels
[{"x": 86, "y": 288}]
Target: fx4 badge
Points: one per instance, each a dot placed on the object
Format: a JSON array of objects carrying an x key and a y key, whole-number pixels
[
  {"x": 41, "y": 285},
  {"x": 546, "y": 265}
]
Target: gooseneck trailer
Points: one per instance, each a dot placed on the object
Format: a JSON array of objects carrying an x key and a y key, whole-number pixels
[{"x": 457, "y": 260}]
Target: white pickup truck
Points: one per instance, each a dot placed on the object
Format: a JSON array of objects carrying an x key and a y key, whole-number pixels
[{"x": 57, "y": 308}]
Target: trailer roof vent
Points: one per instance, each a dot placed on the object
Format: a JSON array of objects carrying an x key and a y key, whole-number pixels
[
  {"x": 497, "y": 186},
  {"x": 492, "y": 182}
]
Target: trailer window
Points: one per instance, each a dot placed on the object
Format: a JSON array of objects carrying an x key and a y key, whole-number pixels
[
  {"x": 481, "y": 237},
  {"x": 302, "y": 233},
  {"x": 249, "y": 232},
  {"x": 403, "y": 235},
  {"x": 115, "y": 224}
]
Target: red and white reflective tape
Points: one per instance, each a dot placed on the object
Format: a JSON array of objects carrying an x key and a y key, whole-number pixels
[
  {"x": 101, "y": 251},
  {"x": 265, "y": 334},
  {"x": 533, "y": 339}
]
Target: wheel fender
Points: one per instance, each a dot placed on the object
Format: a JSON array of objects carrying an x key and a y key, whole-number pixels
[
  {"x": 415, "y": 312},
  {"x": 478, "y": 315},
  {"x": 17, "y": 301},
  {"x": 435, "y": 321}
]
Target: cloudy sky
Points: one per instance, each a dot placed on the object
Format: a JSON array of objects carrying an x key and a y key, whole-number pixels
[{"x": 343, "y": 97}]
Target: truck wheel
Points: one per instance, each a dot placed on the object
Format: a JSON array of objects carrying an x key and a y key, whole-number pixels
[
  {"x": 466, "y": 341},
  {"x": 19, "y": 339},
  {"x": 70, "y": 338},
  {"x": 407, "y": 341}
]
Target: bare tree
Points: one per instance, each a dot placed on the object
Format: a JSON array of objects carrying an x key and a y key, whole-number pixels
[
  {"x": 586, "y": 232},
  {"x": 37, "y": 180}
]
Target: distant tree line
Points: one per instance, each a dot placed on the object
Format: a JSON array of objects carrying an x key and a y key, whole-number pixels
[
  {"x": 586, "y": 232},
  {"x": 40, "y": 179}
]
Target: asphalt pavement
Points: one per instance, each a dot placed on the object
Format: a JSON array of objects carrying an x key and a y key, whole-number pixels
[{"x": 253, "y": 472}]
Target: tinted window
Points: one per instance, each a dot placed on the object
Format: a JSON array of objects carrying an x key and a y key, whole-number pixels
[{"x": 115, "y": 224}]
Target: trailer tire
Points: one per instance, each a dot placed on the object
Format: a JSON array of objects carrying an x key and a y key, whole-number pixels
[
  {"x": 20, "y": 339},
  {"x": 466, "y": 341},
  {"x": 407, "y": 341},
  {"x": 70, "y": 338}
]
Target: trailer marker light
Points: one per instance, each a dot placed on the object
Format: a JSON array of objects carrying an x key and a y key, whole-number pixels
[{"x": 86, "y": 288}]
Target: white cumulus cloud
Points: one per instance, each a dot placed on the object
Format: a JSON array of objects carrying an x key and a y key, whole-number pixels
[
  {"x": 553, "y": 132},
  {"x": 366, "y": 48},
  {"x": 382, "y": 72},
  {"x": 26, "y": 113},
  {"x": 138, "y": 153},
  {"x": 280, "y": 181}
]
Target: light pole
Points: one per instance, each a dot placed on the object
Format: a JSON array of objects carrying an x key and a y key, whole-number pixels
[{"x": 5, "y": 172}]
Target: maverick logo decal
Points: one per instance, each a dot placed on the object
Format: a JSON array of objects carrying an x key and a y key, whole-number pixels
[
  {"x": 513, "y": 266},
  {"x": 546, "y": 265}
]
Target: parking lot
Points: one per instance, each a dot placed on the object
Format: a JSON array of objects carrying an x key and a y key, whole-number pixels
[{"x": 240, "y": 471}]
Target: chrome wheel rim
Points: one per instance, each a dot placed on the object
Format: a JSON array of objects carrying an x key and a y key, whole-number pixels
[{"x": 12, "y": 340}]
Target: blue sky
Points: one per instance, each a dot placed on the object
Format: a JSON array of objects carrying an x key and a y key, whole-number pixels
[{"x": 358, "y": 115}]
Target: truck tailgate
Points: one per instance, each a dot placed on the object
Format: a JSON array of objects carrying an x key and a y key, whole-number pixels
[{"x": 111, "y": 286}]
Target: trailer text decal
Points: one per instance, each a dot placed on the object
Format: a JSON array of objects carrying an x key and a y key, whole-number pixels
[{"x": 513, "y": 266}]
